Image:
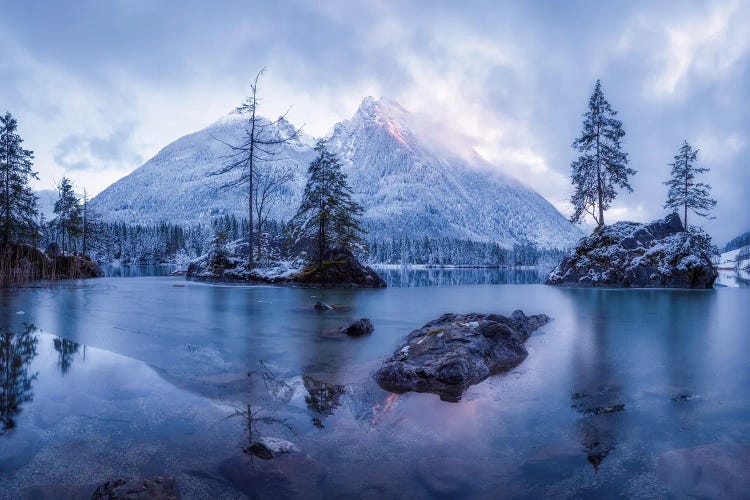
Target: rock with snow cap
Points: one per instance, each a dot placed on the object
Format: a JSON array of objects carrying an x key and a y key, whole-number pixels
[{"x": 633, "y": 255}]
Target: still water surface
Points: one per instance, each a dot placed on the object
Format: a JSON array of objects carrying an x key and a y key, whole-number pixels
[{"x": 157, "y": 375}]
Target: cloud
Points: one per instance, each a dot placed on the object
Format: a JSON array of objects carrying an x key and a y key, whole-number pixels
[
  {"x": 100, "y": 86},
  {"x": 689, "y": 47},
  {"x": 113, "y": 152}
]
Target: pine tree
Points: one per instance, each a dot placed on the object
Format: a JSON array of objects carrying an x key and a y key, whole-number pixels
[
  {"x": 602, "y": 166},
  {"x": 18, "y": 212},
  {"x": 327, "y": 213},
  {"x": 684, "y": 191},
  {"x": 68, "y": 211}
]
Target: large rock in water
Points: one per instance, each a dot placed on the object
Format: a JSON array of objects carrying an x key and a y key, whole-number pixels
[
  {"x": 339, "y": 269},
  {"x": 628, "y": 254},
  {"x": 451, "y": 353}
]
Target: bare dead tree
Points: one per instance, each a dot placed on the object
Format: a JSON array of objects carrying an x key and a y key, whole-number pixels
[
  {"x": 263, "y": 142},
  {"x": 271, "y": 180}
]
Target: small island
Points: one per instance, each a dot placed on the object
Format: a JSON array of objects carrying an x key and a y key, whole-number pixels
[
  {"x": 338, "y": 268},
  {"x": 660, "y": 254},
  {"x": 326, "y": 225}
]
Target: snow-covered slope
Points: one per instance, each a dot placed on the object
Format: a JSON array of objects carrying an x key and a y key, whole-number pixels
[
  {"x": 411, "y": 182},
  {"x": 175, "y": 185},
  {"x": 414, "y": 182},
  {"x": 733, "y": 259}
]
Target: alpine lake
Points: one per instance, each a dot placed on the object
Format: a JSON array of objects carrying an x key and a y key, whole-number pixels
[{"x": 635, "y": 393}]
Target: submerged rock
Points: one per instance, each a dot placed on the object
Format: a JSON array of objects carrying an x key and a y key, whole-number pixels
[
  {"x": 362, "y": 326},
  {"x": 270, "y": 447},
  {"x": 322, "y": 306},
  {"x": 451, "y": 353},
  {"x": 339, "y": 269},
  {"x": 155, "y": 488},
  {"x": 628, "y": 254}
]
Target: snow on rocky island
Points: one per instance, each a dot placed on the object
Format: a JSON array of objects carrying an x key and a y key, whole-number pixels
[
  {"x": 659, "y": 254},
  {"x": 339, "y": 269}
]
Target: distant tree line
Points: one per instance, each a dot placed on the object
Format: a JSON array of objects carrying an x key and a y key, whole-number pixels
[
  {"x": 457, "y": 252},
  {"x": 738, "y": 242}
]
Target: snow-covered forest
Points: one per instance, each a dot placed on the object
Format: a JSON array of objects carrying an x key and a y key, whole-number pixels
[{"x": 177, "y": 244}]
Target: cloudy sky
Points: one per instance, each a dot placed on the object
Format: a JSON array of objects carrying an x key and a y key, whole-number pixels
[{"x": 100, "y": 86}]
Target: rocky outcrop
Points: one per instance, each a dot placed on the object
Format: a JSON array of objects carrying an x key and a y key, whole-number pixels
[
  {"x": 228, "y": 263},
  {"x": 339, "y": 268},
  {"x": 453, "y": 352},
  {"x": 362, "y": 326},
  {"x": 628, "y": 254}
]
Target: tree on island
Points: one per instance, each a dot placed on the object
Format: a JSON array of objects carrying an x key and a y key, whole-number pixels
[
  {"x": 327, "y": 214},
  {"x": 68, "y": 218},
  {"x": 18, "y": 211},
  {"x": 269, "y": 186},
  {"x": 684, "y": 191},
  {"x": 262, "y": 143},
  {"x": 602, "y": 166}
]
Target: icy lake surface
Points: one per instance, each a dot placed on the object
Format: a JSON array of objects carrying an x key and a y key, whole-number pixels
[{"x": 641, "y": 393}]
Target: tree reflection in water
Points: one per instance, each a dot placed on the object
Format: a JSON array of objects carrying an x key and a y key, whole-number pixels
[
  {"x": 16, "y": 353},
  {"x": 66, "y": 349},
  {"x": 322, "y": 398},
  {"x": 598, "y": 396}
]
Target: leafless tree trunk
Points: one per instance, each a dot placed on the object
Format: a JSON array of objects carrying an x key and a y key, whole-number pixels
[
  {"x": 271, "y": 180},
  {"x": 263, "y": 143}
]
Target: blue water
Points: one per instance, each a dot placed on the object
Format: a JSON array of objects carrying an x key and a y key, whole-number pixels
[{"x": 157, "y": 375}]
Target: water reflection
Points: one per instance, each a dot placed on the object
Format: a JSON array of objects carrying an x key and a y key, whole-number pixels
[
  {"x": 411, "y": 277},
  {"x": 16, "y": 353},
  {"x": 138, "y": 271},
  {"x": 647, "y": 372},
  {"x": 66, "y": 350},
  {"x": 322, "y": 398},
  {"x": 734, "y": 278},
  {"x": 597, "y": 394}
]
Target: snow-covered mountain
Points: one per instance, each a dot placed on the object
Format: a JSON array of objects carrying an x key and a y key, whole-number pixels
[
  {"x": 45, "y": 202},
  {"x": 175, "y": 185},
  {"x": 411, "y": 181}
]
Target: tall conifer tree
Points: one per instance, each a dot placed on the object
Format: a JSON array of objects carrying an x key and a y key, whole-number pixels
[
  {"x": 68, "y": 211},
  {"x": 684, "y": 192},
  {"x": 18, "y": 211},
  {"x": 602, "y": 166},
  {"x": 327, "y": 213}
]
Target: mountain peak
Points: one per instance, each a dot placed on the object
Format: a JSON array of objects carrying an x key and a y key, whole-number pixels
[
  {"x": 405, "y": 172},
  {"x": 385, "y": 113}
]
